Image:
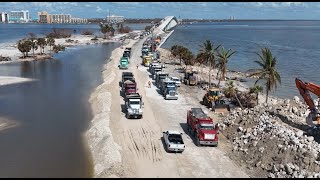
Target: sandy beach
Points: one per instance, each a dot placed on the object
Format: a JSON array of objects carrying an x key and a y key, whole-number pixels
[{"x": 10, "y": 50}]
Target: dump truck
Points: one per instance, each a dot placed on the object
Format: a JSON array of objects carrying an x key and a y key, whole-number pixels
[
  {"x": 168, "y": 89},
  {"x": 126, "y": 76},
  {"x": 159, "y": 76},
  {"x": 153, "y": 64},
  {"x": 146, "y": 61},
  {"x": 189, "y": 78},
  {"x": 144, "y": 51},
  {"x": 134, "y": 105},
  {"x": 129, "y": 87},
  {"x": 202, "y": 127},
  {"x": 155, "y": 71},
  {"x": 123, "y": 63},
  {"x": 215, "y": 99}
]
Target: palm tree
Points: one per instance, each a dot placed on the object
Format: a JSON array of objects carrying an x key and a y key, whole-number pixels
[
  {"x": 207, "y": 56},
  {"x": 267, "y": 70},
  {"x": 24, "y": 46},
  {"x": 223, "y": 57},
  {"x": 33, "y": 39},
  {"x": 256, "y": 89},
  {"x": 41, "y": 43},
  {"x": 50, "y": 42}
]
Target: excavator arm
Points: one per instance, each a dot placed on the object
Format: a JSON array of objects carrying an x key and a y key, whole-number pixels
[{"x": 305, "y": 88}]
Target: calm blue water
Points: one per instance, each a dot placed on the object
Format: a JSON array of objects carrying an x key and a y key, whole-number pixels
[
  {"x": 13, "y": 32},
  {"x": 295, "y": 44}
]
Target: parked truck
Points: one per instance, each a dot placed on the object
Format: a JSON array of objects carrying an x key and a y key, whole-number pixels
[
  {"x": 189, "y": 78},
  {"x": 201, "y": 126},
  {"x": 159, "y": 76},
  {"x": 168, "y": 89},
  {"x": 130, "y": 87},
  {"x": 134, "y": 105}
]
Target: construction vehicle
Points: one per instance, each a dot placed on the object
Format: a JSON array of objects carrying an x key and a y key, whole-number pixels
[
  {"x": 144, "y": 51},
  {"x": 159, "y": 76},
  {"x": 215, "y": 99},
  {"x": 129, "y": 87},
  {"x": 201, "y": 126},
  {"x": 168, "y": 89},
  {"x": 189, "y": 78},
  {"x": 313, "y": 118},
  {"x": 134, "y": 106},
  {"x": 155, "y": 70},
  {"x": 126, "y": 76},
  {"x": 146, "y": 61},
  {"x": 153, "y": 64},
  {"x": 123, "y": 63}
]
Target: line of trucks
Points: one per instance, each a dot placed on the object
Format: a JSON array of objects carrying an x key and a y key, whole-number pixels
[{"x": 201, "y": 127}]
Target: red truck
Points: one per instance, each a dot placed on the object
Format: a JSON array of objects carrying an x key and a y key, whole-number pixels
[
  {"x": 130, "y": 87},
  {"x": 201, "y": 126}
]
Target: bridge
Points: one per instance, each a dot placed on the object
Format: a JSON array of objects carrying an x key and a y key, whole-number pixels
[{"x": 166, "y": 25}]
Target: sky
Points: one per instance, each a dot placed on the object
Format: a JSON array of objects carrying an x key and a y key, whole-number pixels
[{"x": 184, "y": 10}]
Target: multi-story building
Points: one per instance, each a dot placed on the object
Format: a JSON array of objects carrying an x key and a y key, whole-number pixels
[
  {"x": 19, "y": 16},
  {"x": 4, "y": 17},
  {"x": 79, "y": 20},
  {"x": 115, "y": 19},
  {"x": 60, "y": 18},
  {"x": 44, "y": 17}
]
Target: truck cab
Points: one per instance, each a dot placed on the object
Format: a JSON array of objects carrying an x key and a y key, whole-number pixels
[
  {"x": 168, "y": 89},
  {"x": 134, "y": 106},
  {"x": 189, "y": 78},
  {"x": 201, "y": 126},
  {"x": 123, "y": 63}
]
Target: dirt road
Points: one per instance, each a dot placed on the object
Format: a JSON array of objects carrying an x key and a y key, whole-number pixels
[{"x": 142, "y": 150}]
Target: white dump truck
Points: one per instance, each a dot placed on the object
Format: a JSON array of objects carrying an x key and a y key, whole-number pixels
[{"x": 134, "y": 106}]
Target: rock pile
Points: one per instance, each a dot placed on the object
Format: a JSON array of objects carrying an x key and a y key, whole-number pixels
[{"x": 272, "y": 139}]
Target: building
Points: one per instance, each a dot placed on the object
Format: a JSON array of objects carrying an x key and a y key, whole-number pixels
[
  {"x": 60, "y": 18},
  {"x": 115, "y": 19},
  {"x": 19, "y": 16},
  {"x": 44, "y": 17},
  {"x": 4, "y": 17},
  {"x": 79, "y": 20}
]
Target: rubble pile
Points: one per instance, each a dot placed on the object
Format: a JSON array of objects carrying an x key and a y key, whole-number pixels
[{"x": 272, "y": 139}]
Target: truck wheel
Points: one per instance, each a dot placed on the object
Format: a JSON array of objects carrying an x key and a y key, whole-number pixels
[
  {"x": 127, "y": 116},
  {"x": 198, "y": 142},
  {"x": 216, "y": 145}
]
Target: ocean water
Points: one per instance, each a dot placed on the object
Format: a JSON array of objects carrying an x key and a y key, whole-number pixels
[{"x": 295, "y": 44}]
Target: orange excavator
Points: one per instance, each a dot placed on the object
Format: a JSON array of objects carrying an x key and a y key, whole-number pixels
[{"x": 305, "y": 88}]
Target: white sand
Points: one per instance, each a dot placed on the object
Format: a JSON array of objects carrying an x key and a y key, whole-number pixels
[
  {"x": 6, "y": 80},
  {"x": 10, "y": 50}
]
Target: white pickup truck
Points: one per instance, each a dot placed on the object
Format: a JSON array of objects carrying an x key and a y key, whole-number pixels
[{"x": 173, "y": 141}]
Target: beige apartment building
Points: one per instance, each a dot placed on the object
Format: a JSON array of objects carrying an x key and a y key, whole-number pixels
[{"x": 44, "y": 17}]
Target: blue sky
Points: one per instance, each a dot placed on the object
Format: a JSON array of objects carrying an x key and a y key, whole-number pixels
[{"x": 196, "y": 10}]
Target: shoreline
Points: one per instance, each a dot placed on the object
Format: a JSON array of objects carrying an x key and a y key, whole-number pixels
[
  {"x": 105, "y": 152},
  {"x": 11, "y": 51},
  {"x": 231, "y": 75}
]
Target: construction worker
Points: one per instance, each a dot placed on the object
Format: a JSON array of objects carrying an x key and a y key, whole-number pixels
[{"x": 149, "y": 83}]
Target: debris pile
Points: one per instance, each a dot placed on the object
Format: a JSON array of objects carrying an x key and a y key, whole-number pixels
[{"x": 273, "y": 139}]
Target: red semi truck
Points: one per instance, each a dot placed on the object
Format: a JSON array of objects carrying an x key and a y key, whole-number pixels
[{"x": 201, "y": 126}]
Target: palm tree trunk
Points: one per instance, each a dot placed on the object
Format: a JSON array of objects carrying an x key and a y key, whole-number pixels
[
  {"x": 257, "y": 98},
  {"x": 33, "y": 52},
  {"x": 209, "y": 74},
  {"x": 238, "y": 100},
  {"x": 217, "y": 76},
  {"x": 267, "y": 96}
]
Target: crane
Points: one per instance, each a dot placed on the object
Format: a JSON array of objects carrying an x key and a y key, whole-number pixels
[{"x": 305, "y": 88}]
